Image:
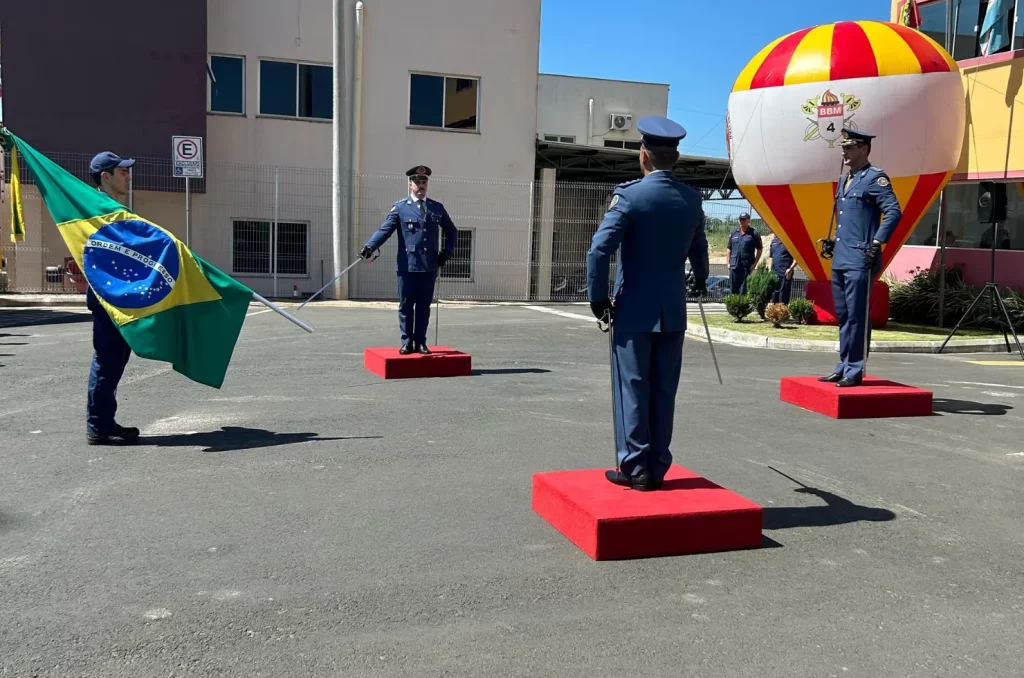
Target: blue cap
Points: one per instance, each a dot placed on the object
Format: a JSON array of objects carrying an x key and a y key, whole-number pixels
[
  {"x": 851, "y": 137},
  {"x": 660, "y": 131},
  {"x": 744, "y": 215},
  {"x": 418, "y": 171},
  {"x": 106, "y": 161}
]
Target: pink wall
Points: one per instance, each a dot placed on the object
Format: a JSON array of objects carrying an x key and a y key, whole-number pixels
[{"x": 976, "y": 264}]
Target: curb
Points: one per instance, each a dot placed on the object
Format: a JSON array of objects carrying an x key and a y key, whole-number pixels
[{"x": 749, "y": 340}]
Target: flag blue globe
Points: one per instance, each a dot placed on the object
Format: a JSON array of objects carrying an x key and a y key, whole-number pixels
[{"x": 131, "y": 264}]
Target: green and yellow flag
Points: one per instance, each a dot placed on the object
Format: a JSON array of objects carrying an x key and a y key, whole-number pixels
[
  {"x": 169, "y": 304},
  {"x": 17, "y": 209}
]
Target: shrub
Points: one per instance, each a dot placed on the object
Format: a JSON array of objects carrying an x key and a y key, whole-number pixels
[
  {"x": 917, "y": 301},
  {"x": 738, "y": 306},
  {"x": 777, "y": 314},
  {"x": 760, "y": 286},
  {"x": 802, "y": 311}
]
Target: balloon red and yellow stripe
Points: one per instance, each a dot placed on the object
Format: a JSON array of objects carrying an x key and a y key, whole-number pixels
[
  {"x": 890, "y": 80},
  {"x": 844, "y": 50}
]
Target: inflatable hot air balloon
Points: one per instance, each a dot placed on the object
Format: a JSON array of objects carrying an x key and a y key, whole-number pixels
[{"x": 788, "y": 108}]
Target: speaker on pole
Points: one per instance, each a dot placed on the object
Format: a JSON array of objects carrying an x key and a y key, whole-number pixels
[{"x": 991, "y": 202}]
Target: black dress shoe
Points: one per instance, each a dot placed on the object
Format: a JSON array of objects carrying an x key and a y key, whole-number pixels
[
  {"x": 848, "y": 381},
  {"x": 422, "y": 348},
  {"x": 406, "y": 349},
  {"x": 119, "y": 435},
  {"x": 832, "y": 378},
  {"x": 641, "y": 483}
]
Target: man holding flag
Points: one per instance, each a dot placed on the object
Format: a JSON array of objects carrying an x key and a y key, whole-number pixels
[
  {"x": 111, "y": 351},
  {"x": 160, "y": 299}
]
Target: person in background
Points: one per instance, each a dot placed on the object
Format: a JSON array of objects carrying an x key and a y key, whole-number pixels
[
  {"x": 783, "y": 266},
  {"x": 744, "y": 251}
]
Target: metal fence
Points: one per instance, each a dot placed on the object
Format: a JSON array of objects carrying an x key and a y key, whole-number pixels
[{"x": 270, "y": 227}]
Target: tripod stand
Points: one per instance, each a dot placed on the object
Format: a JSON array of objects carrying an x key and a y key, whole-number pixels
[{"x": 997, "y": 300}]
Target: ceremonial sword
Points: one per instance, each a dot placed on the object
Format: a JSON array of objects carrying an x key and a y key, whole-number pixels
[{"x": 347, "y": 269}]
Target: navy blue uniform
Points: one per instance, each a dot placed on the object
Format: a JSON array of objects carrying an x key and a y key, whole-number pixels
[
  {"x": 781, "y": 261},
  {"x": 110, "y": 356},
  {"x": 743, "y": 250},
  {"x": 418, "y": 224},
  {"x": 867, "y": 210},
  {"x": 655, "y": 223}
]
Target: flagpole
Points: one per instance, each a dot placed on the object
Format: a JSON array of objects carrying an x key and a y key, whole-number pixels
[{"x": 275, "y": 308}]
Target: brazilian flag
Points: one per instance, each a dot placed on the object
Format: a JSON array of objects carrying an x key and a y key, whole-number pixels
[{"x": 169, "y": 304}]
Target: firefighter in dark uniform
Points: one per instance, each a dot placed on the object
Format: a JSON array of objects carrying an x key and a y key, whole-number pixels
[
  {"x": 783, "y": 266},
  {"x": 868, "y": 210},
  {"x": 656, "y": 224},
  {"x": 419, "y": 222},
  {"x": 744, "y": 251}
]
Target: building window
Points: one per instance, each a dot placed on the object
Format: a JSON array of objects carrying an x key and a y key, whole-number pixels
[
  {"x": 968, "y": 25},
  {"x": 296, "y": 90},
  {"x": 443, "y": 102},
  {"x": 460, "y": 267},
  {"x": 251, "y": 246},
  {"x": 562, "y": 139},
  {"x": 963, "y": 223},
  {"x": 227, "y": 94},
  {"x": 618, "y": 143}
]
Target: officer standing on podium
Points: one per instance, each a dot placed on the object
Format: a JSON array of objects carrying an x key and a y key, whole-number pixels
[
  {"x": 655, "y": 223},
  {"x": 418, "y": 221},
  {"x": 868, "y": 209}
]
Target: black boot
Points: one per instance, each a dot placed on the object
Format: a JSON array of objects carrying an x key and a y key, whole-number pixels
[
  {"x": 846, "y": 382},
  {"x": 422, "y": 348},
  {"x": 406, "y": 349},
  {"x": 832, "y": 378}
]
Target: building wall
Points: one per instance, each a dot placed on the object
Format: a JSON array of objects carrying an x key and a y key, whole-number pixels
[
  {"x": 563, "y": 107},
  {"x": 78, "y": 79}
]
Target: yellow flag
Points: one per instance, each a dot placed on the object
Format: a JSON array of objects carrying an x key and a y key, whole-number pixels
[{"x": 17, "y": 211}]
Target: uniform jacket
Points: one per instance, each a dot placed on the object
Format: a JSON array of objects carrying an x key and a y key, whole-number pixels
[
  {"x": 418, "y": 234},
  {"x": 743, "y": 247},
  {"x": 656, "y": 223},
  {"x": 781, "y": 258},
  {"x": 866, "y": 210}
]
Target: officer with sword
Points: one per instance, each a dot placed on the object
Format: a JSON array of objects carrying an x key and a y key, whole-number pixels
[
  {"x": 655, "y": 223},
  {"x": 867, "y": 207}
]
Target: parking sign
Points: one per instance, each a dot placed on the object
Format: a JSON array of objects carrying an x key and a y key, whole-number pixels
[{"x": 187, "y": 153}]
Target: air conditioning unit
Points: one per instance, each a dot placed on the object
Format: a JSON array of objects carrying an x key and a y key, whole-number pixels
[{"x": 620, "y": 121}]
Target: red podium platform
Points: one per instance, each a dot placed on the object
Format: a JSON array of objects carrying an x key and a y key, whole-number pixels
[
  {"x": 873, "y": 398},
  {"x": 690, "y": 514},
  {"x": 443, "y": 361},
  {"x": 819, "y": 293}
]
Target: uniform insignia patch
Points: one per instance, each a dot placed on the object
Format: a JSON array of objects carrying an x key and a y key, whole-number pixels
[
  {"x": 615, "y": 200},
  {"x": 882, "y": 181}
]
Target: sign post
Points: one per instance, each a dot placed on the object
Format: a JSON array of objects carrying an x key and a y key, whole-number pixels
[{"x": 187, "y": 154}]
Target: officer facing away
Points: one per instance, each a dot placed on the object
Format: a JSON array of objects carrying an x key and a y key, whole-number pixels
[
  {"x": 868, "y": 209},
  {"x": 744, "y": 251},
  {"x": 783, "y": 266},
  {"x": 418, "y": 221},
  {"x": 656, "y": 223},
  {"x": 111, "y": 352}
]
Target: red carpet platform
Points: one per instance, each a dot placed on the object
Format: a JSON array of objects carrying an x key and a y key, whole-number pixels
[
  {"x": 444, "y": 361},
  {"x": 873, "y": 398},
  {"x": 688, "y": 515},
  {"x": 819, "y": 292}
]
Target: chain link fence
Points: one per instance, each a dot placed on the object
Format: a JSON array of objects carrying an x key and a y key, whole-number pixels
[{"x": 270, "y": 227}]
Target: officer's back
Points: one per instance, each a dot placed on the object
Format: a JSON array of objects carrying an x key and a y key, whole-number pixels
[{"x": 663, "y": 217}]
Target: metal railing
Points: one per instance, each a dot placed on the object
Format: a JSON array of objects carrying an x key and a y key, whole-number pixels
[{"x": 270, "y": 227}]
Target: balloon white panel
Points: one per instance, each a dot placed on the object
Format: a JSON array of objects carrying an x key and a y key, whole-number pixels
[{"x": 918, "y": 122}]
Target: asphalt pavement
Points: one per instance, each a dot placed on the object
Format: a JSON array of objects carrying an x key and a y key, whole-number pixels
[{"x": 312, "y": 519}]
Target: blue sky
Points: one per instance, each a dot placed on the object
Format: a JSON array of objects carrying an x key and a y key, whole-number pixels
[{"x": 703, "y": 48}]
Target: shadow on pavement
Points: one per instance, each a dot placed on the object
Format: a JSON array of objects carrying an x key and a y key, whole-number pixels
[
  {"x": 511, "y": 370},
  {"x": 34, "y": 317},
  {"x": 837, "y": 511},
  {"x": 236, "y": 438},
  {"x": 967, "y": 407}
]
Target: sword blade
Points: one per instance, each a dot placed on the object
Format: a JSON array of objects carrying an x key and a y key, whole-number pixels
[
  {"x": 711, "y": 344},
  {"x": 350, "y": 266}
]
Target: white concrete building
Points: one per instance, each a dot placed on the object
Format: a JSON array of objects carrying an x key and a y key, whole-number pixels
[{"x": 596, "y": 112}]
